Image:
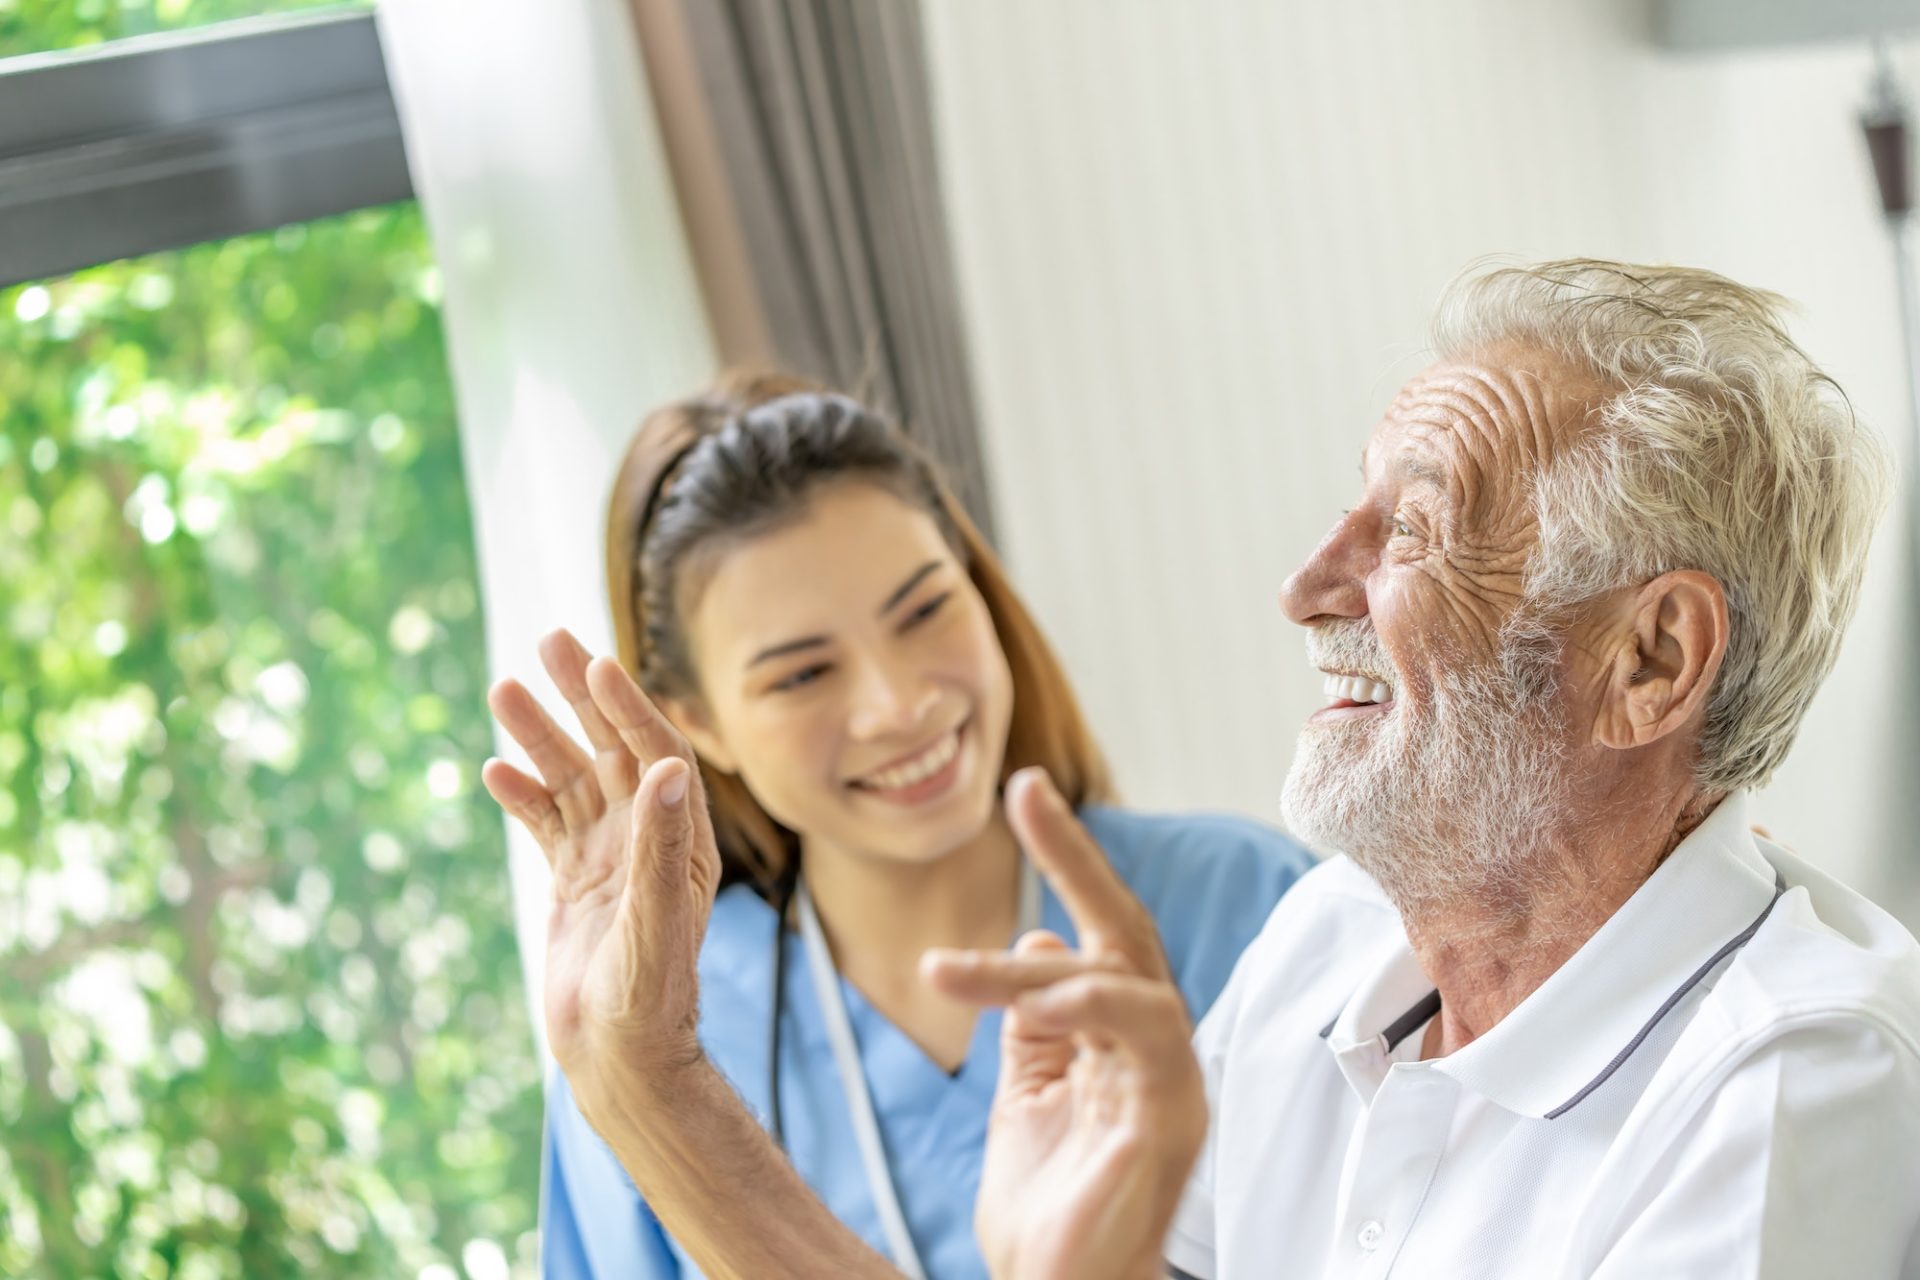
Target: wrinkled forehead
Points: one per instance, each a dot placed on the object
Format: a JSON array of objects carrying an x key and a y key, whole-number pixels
[{"x": 1479, "y": 427}]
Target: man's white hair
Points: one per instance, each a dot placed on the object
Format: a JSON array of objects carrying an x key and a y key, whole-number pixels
[{"x": 1719, "y": 447}]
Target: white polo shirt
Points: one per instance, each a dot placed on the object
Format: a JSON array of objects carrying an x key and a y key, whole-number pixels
[{"x": 1723, "y": 1082}]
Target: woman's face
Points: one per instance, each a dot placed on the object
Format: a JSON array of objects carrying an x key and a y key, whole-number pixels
[{"x": 851, "y": 675}]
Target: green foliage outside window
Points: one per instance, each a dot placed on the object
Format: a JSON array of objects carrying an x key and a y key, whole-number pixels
[
  {"x": 39, "y": 26},
  {"x": 261, "y": 1010}
]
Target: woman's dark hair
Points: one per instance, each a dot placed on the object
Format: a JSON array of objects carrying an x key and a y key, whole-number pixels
[{"x": 742, "y": 458}]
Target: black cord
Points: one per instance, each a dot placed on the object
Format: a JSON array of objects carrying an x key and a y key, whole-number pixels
[{"x": 783, "y": 901}]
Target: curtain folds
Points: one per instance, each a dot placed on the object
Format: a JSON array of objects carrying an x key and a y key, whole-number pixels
[{"x": 802, "y": 146}]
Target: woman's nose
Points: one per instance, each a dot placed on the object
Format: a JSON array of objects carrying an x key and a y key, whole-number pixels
[{"x": 892, "y": 699}]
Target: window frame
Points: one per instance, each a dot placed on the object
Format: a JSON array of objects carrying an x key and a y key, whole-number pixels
[{"x": 161, "y": 141}]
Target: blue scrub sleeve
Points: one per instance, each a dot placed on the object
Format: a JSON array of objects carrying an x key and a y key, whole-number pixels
[{"x": 593, "y": 1224}]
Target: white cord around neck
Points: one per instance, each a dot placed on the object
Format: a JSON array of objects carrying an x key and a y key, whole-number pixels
[{"x": 853, "y": 1076}]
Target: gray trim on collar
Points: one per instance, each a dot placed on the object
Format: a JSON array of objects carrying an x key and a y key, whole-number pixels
[
  {"x": 1734, "y": 943},
  {"x": 1416, "y": 1016},
  {"x": 1429, "y": 1005}
]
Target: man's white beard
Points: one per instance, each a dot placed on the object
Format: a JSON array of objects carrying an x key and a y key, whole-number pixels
[{"x": 1457, "y": 806}]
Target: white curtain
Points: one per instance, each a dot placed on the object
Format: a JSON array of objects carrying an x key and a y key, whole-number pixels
[{"x": 570, "y": 304}]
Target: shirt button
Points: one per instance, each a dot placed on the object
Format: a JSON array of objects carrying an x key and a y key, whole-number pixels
[{"x": 1371, "y": 1234}]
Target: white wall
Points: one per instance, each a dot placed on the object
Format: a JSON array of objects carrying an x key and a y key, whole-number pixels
[{"x": 1198, "y": 243}]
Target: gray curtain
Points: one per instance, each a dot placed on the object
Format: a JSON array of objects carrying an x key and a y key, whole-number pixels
[{"x": 818, "y": 111}]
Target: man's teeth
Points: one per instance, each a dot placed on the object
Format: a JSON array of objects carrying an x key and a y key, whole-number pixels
[
  {"x": 920, "y": 768},
  {"x": 1358, "y": 689}
]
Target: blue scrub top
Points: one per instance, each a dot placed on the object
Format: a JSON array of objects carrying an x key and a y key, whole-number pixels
[{"x": 1210, "y": 882}]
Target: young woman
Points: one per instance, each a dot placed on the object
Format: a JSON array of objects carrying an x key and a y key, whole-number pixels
[{"x": 793, "y": 586}]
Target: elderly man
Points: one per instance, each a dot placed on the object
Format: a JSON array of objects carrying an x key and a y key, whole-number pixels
[{"x": 1556, "y": 1012}]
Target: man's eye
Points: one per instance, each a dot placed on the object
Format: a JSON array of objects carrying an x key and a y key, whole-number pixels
[
  {"x": 801, "y": 678},
  {"x": 1401, "y": 529}
]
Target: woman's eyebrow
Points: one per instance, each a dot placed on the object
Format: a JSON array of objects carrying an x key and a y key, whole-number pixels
[
  {"x": 782, "y": 650},
  {"x": 905, "y": 589},
  {"x": 900, "y": 593}
]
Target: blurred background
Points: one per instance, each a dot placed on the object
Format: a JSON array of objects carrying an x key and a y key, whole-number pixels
[{"x": 321, "y": 325}]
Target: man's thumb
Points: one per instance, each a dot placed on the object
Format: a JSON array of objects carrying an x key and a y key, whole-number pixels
[{"x": 662, "y": 841}]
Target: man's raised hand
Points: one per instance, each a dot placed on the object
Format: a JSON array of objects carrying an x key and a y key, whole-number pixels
[
  {"x": 1100, "y": 1109},
  {"x": 635, "y": 869}
]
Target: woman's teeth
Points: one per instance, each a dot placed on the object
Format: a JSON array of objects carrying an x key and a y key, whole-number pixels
[
  {"x": 921, "y": 767},
  {"x": 1358, "y": 689}
]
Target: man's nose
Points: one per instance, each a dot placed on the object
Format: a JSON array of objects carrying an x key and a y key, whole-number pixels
[
  {"x": 1333, "y": 581},
  {"x": 891, "y": 699}
]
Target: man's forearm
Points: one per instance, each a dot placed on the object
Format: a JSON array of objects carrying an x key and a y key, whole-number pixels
[{"x": 722, "y": 1188}]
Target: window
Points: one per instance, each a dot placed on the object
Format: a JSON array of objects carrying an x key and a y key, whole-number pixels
[
  {"x": 261, "y": 1012},
  {"x": 39, "y": 26}
]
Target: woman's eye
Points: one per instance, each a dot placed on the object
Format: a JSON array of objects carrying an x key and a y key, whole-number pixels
[
  {"x": 1401, "y": 529},
  {"x": 925, "y": 611},
  {"x": 801, "y": 678}
]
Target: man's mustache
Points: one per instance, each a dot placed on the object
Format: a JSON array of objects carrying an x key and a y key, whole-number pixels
[{"x": 1351, "y": 646}]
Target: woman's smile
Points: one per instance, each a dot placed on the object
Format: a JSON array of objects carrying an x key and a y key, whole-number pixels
[{"x": 920, "y": 776}]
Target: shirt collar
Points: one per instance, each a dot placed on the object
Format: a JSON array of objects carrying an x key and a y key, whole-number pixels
[{"x": 1586, "y": 1019}]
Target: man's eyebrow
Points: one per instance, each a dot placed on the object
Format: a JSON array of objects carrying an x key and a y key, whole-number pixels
[
  {"x": 1417, "y": 467},
  {"x": 905, "y": 589},
  {"x": 1424, "y": 470}
]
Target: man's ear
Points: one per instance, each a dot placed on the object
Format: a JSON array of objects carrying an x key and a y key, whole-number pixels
[
  {"x": 690, "y": 717},
  {"x": 1667, "y": 649}
]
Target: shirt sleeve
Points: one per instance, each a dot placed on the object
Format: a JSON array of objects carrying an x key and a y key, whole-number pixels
[
  {"x": 593, "y": 1223},
  {"x": 1804, "y": 1162}
]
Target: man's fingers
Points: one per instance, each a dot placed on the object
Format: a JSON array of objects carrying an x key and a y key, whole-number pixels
[
  {"x": 530, "y": 804},
  {"x": 1029, "y": 1060},
  {"x": 566, "y": 661},
  {"x": 1104, "y": 910},
  {"x": 663, "y": 835},
  {"x": 646, "y": 732},
  {"x": 564, "y": 767},
  {"x": 1000, "y": 977},
  {"x": 1141, "y": 1017}
]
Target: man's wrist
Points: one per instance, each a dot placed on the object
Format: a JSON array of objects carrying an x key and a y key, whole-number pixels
[{"x": 644, "y": 1093}]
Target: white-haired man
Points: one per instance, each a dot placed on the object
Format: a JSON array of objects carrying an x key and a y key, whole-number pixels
[{"x": 1557, "y": 1012}]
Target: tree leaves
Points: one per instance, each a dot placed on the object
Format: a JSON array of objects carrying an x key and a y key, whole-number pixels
[{"x": 260, "y": 1003}]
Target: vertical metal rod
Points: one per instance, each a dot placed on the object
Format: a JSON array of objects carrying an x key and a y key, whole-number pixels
[
  {"x": 1884, "y": 122},
  {"x": 1901, "y": 233}
]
